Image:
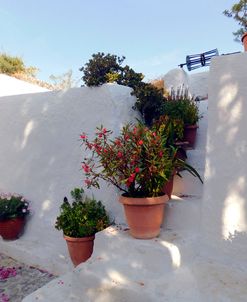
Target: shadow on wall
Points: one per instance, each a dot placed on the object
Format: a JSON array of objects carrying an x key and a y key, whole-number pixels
[
  {"x": 226, "y": 166},
  {"x": 41, "y": 154}
]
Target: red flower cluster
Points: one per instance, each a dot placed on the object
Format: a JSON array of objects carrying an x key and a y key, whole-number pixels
[{"x": 135, "y": 161}]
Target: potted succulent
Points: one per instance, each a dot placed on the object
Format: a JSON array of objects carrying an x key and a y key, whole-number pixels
[
  {"x": 14, "y": 209},
  {"x": 239, "y": 13},
  {"x": 138, "y": 164},
  {"x": 179, "y": 105},
  {"x": 80, "y": 220}
]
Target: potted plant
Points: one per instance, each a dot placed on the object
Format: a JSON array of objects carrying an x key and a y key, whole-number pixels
[
  {"x": 137, "y": 163},
  {"x": 179, "y": 105},
  {"x": 80, "y": 220},
  {"x": 14, "y": 209},
  {"x": 171, "y": 130},
  {"x": 239, "y": 13}
]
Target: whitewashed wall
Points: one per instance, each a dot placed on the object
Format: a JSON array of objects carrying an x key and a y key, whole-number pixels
[
  {"x": 224, "y": 212},
  {"x": 13, "y": 86},
  {"x": 40, "y": 157}
]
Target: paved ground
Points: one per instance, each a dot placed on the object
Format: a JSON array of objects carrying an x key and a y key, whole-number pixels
[{"x": 18, "y": 280}]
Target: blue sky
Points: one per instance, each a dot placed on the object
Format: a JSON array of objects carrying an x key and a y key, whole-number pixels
[{"x": 154, "y": 35}]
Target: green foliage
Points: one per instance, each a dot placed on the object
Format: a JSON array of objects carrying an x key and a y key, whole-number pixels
[
  {"x": 12, "y": 206},
  {"x": 171, "y": 129},
  {"x": 149, "y": 101},
  {"x": 136, "y": 161},
  {"x": 83, "y": 217},
  {"x": 239, "y": 13},
  {"x": 11, "y": 65},
  {"x": 97, "y": 70},
  {"x": 179, "y": 105},
  {"x": 107, "y": 69}
]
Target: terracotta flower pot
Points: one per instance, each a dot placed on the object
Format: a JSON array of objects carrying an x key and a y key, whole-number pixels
[
  {"x": 80, "y": 249},
  {"x": 190, "y": 135},
  {"x": 244, "y": 41},
  {"x": 168, "y": 187},
  {"x": 144, "y": 215},
  {"x": 11, "y": 229}
]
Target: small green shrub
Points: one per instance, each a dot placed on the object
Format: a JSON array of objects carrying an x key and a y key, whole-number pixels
[
  {"x": 13, "y": 206},
  {"x": 83, "y": 217},
  {"x": 179, "y": 105},
  {"x": 11, "y": 65}
]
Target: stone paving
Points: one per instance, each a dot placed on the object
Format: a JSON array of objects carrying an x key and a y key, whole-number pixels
[{"x": 17, "y": 280}]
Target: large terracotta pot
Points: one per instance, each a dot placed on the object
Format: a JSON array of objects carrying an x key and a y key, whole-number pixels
[
  {"x": 244, "y": 41},
  {"x": 144, "y": 215},
  {"x": 80, "y": 249},
  {"x": 190, "y": 135},
  {"x": 11, "y": 229}
]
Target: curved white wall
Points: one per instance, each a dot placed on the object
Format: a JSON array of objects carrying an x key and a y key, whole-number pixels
[
  {"x": 40, "y": 156},
  {"x": 12, "y": 86}
]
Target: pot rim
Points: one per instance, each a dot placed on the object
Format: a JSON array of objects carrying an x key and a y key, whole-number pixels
[
  {"x": 191, "y": 126},
  {"x": 139, "y": 201},
  {"x": 74, "y": 239},
  {"x": 243, "y": 36}
]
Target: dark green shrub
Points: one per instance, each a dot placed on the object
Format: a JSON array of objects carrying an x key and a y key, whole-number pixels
[
  {"x": 101, "y": 68},
  {"x": 83, "y": 217},
  {"x": 149, "y": 101},
  {"x": 107, "y": 68},
  {"x": 13, "y": 206}
]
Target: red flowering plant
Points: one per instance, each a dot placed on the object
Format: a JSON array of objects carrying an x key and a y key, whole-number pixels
[{"x": 135, "y": 162}]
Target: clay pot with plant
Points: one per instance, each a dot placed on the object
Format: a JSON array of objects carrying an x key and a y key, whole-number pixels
[
  {"x": 171, "y": 130},
  {"x": 14, "y": 210},
  {"x": 137, "y": 163},
  {"x": 80, "y": 221},
  {"x": 180, "y": 105},
  {"x": 239, "y": 13}
]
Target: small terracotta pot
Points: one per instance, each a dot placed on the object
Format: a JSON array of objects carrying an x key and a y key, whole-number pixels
[
  {"x": 80, "y": 249},
  {"x": 168, "y": 187},
  {"x": 190, "y": 134},
  {"x": 144, "y": 215},
  {"x": 244, "y": 41},
  {"x": 11, "y": 229}
]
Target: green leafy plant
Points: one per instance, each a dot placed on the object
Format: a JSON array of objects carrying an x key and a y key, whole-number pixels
[
  {"x": 108, "y": 68},
  {"x": 239, "y": 13},
  {"x": 13, "y": 206},
  {"x": 135, "y": 162},
  {"x": 83, "y": 217},
  {"x": 101, "y": 69},
  {"x": 171, "y": 130},
  {"x": 179, "y": 105}
]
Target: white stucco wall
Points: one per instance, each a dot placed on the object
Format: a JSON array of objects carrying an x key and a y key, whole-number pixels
[
  {"x": 12, "y": 86},
  {"x": 40, "y": 157},
  {"x": 224, "y": 212}
]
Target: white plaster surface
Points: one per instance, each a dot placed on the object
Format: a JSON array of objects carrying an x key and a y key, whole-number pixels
[
  {"x": 41, "y": 158},
  {"x": 173, "y": 267},
  {"x": 12, "y": 86},
  {"x": 224, "y": 212}
]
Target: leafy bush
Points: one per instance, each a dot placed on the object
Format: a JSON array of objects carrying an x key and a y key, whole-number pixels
[
  {"x": 101, "y": 69},
  {"x": 107, "y": 68},
  {"x": 239, "y": 13},
  {"x": 84, "y": 217},
  {"x": 179, "y": 105},
  {"x": 149, "y": 101},
  {"x": 13, "y": 206},
  {"x": 11, "y": 65},
  {"x": 136, "y": 161}
]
